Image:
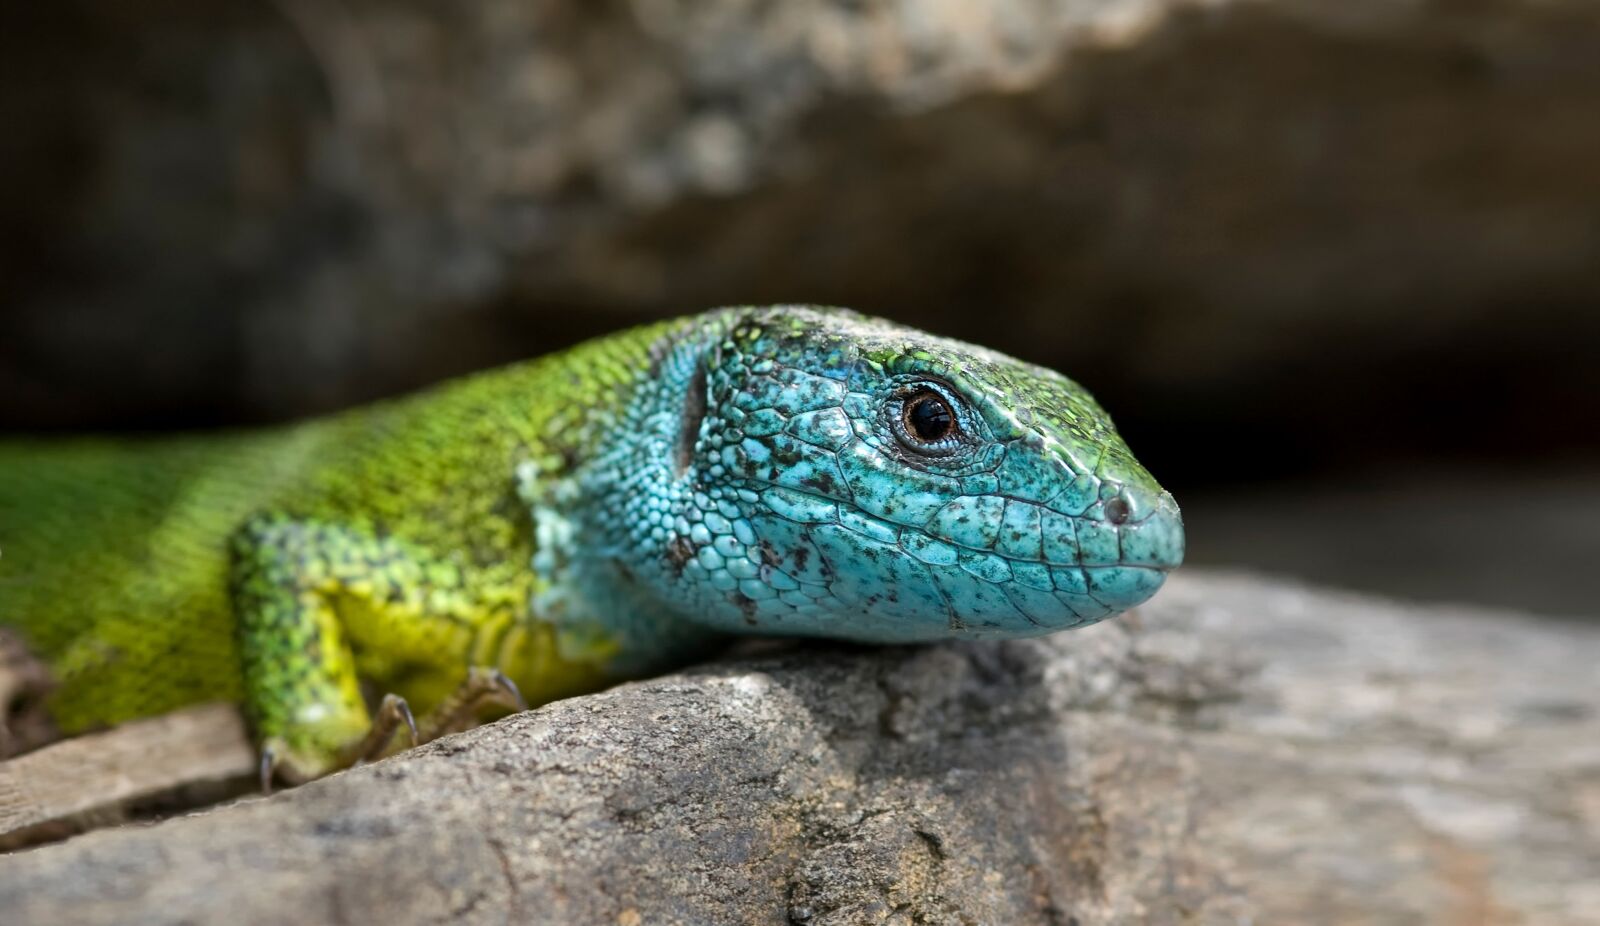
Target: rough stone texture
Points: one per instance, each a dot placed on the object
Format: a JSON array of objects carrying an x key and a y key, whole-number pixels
[
  {"x": 1240, "y": 752},
  {"x": 1378, "y": 214}
]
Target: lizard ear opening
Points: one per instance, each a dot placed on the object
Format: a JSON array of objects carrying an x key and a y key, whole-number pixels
[{"x": 694, "y": 412}]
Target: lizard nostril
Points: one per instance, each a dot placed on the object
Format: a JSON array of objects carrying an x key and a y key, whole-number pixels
[{"x": 1117, "y": 510}]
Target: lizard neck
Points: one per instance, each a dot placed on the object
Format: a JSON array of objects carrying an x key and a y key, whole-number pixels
[{"x": 612, "y": 536}]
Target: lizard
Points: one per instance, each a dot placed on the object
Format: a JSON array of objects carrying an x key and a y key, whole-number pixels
[{"x": 551, "y": 527}]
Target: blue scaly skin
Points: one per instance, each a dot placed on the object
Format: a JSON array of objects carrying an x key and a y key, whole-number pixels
[
  {"x": 771, "y": 480},
  {"x": 609, "y": 511}
]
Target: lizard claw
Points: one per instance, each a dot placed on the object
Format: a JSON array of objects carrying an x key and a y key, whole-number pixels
[
  {"x": 392, "y": 712},
  {"x": 269, "y": 764},
  {"x": 509, "y": 690},
  {"x": 404, "y": 710},
  {"x": 482, "y": 688}
]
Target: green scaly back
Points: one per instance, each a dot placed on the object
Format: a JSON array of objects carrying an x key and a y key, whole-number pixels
[{"x": 115, "y": 554}]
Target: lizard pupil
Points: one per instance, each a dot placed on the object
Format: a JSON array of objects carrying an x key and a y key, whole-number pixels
[{"x": 929, "y": 417}]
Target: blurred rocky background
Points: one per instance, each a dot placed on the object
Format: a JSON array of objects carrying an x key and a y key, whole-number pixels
[{"x": 1334, "y": 267}]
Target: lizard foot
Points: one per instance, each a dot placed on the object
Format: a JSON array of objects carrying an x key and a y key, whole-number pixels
[
  {"x": 281, "y": 761},
  {"x": 392, "y": 712},
  {"x": 485, "y": 687}
]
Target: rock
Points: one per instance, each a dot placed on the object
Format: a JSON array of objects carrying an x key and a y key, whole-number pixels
[
  {"x": 1239, "y": 751},
  {"x": 1250, "y": 223}
]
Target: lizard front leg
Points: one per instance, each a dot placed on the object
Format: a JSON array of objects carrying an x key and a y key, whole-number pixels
[{"x": 320, "y": 606}]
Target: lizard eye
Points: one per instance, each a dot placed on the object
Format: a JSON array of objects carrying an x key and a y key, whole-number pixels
[{"x": 928, "y": 418}]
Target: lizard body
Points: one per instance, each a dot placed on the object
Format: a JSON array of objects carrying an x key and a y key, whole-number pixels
[{"x": 576, "y": 519}]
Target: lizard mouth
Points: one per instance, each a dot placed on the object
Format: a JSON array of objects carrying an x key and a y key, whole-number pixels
[
  {"x": 982, "y": 565},
  {"x": 1086, "y": 569}
]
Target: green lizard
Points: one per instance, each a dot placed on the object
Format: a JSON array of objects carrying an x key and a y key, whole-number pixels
[{"x": 573, "y": 520}]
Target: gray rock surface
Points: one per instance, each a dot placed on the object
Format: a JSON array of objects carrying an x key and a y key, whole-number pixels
[{"x": 1240, "y": 751}]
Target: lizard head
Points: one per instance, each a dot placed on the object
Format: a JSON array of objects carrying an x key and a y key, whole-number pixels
[{"x": 837, "y": 475}]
